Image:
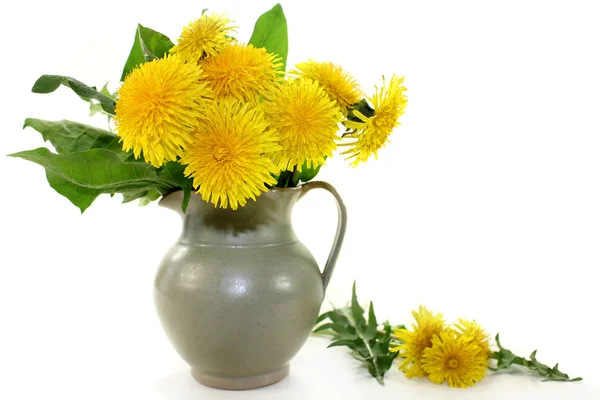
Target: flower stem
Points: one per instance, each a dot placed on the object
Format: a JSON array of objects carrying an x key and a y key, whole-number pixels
[
  {"x": 294, "y": 177},
  {"x": 287, "y": 178},
  {"x": 283, "y": 179}
]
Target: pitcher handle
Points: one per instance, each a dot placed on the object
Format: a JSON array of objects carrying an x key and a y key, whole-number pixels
[{"x": 341, "y": 227}]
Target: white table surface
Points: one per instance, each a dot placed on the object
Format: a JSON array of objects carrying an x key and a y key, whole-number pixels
[
  {"x": 131, "y": 371},
  {"x": 320, "y": 373}
]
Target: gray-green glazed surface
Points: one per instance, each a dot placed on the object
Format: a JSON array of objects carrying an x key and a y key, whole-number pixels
[{"x": 238, "y": 294}]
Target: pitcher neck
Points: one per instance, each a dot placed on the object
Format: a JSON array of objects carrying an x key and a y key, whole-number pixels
[{"x": 264, "y": 222}]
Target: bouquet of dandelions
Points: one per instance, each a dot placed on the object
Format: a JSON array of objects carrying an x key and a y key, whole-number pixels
[{"x": 213, "y": 115}]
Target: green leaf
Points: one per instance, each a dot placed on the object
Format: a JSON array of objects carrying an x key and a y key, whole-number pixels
[
  {"x": 374, "y": 371},
  {"x": 70, "y": 137},
  {"x": 347, "y": 331},
  {"x": 387, "y": 328},
  {"x": 173, "y": 173},
  {"x": 96, "y": 108},
  {"x": 98, "y": 169},
  {"x": 324, "y": 316},
  {"x": 335, "y": 316},
  {"x": 270, "y": 32},
  {"x": 49, "y": 83},
  {"x": 384, "y": 363},
  {"x": 349, "y": 328},
  {"x": 348, "y": 343},
  {"x": 83, "y": 175},
  {"x": 381, "y": 347},
  {"x": 307, "y": 174},
  {"x": 359, "y": 356},
  {"x": 357, "y": 310},
  {"x": 154, "y": 44},
  {"x": 148, "y": 45},
  {"x": 145, "y": 196},
  {"x": 324, "y": 327},
  {"x": 128, "y": 197},
  {"x": 506, "y": 358},
  {"x": 339, "y": 316},
  {"x": 136, "y": 56},
  {"x": 80, "y": 196},
  {"x": 285, "y": 179},
  {"x": 371, "y": 330},
  {"x": 151, "y": 196},
  {"x": 105, "y": 92}
]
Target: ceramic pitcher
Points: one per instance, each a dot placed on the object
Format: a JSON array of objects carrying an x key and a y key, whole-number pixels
[{"x": 238, "y": 294}]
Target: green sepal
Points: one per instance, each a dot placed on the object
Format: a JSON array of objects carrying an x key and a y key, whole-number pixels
[{"x": 364, "y": 108}]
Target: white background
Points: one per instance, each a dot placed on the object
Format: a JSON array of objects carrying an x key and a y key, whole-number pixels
[{"x": 485, "y": 205}]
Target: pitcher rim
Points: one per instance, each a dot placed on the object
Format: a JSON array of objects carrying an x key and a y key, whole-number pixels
[
  {"x": 164, "y": 200},
  {"x": 273, "y": 189}
]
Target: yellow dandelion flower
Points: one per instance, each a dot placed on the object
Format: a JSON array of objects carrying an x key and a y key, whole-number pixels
[
  {"x": 205, "y": 36},
  {"x": 157, "y": 108},
  {"x": 416, "y": 341},
  {"x": 455, "y": 359},
  {"x": 307, "y": 123},
  {"x": 473, "y": 331},
  {"x": 339, "y": 85},
  {"x": 242, "y": 72},
  {"x": 227, "y": 157},
  {"x": 371, "y": 133}
]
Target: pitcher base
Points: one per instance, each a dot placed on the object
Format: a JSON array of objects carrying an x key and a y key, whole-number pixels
[{"x": 241, "y": 383}]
